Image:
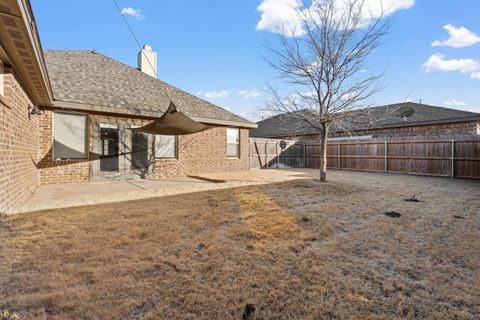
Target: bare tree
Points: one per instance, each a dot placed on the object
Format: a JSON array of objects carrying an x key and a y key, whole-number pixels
[{"x": 323, "y": 59}]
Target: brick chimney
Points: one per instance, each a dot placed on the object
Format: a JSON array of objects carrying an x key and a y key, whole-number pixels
[{"x": 147, "y": 61}]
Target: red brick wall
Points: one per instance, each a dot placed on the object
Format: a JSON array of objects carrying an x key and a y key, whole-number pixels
[
  {"x": 434, "y": 130},
  {"x": 18, "y": 144},
  {"x": 447, "y": 130},
  {"x": 203, "y": 152}
]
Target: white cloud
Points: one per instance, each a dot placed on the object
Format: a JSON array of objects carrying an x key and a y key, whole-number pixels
[
  {"x": 474, "y": 109},
  {"x": 437, "y": 62},
  {"x": 249, "y": 94},
  {"x": 458, "y": 37},
  {"x": 475, "y": 75},
  {"x": 137, "y": 13},
  {"x": 283, "y": 15},
  {"x": 375, "y": 8},
  {"x": 280, "y": 16},
  {"x": 217, "y": 94},
  {"x": 349, "y": 95},
  {"x": 299, "y": 98},
  {"x": 454, "y": 103},
  {"x": 460, "y": 105}
]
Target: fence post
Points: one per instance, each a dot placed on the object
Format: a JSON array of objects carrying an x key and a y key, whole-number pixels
[
  {"x": 266, "y": 154},
  {"x": 386, "y": 157},
  {"x": 453, "y": 158},
  {"x": 304, "y": 155},
  {"x": 339, "y": 154},
  {"x": 278, "y": 156}
]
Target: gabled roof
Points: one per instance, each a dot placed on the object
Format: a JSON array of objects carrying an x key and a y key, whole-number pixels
[
  {"x": 89, "y": 80},
  {"x": 388, "y": 116}
]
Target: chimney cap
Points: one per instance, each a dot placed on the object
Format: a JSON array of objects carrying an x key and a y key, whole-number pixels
[{"x": 147, "y": 47}]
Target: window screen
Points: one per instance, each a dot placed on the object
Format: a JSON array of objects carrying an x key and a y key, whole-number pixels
[
  {"x": 165, "y": 146},
  {"x": 233, "y": 142},
  {"x": 69, "y": 136}
]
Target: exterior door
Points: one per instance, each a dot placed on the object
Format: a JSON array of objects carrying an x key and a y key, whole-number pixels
[
  {"x": 109, "y": 155},
  {"x": 120, "y": 153}
]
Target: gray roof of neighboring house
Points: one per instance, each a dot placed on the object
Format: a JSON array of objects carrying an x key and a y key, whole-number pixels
[
  {"x": 92, "y": 81},
  {"x": 292, "y": 124}
]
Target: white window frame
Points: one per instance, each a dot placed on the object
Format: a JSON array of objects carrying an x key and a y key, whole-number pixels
[
  {"x": 85, "y": 116},
  {"x": 175, "y": 145},
  {"x": 237, "y": 156}
]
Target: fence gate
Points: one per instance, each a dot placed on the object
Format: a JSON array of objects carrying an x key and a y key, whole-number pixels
[{"x": 272, "y": 153}]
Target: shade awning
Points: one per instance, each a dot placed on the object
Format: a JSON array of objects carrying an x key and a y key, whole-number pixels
[{"x": 173, "y": 122}]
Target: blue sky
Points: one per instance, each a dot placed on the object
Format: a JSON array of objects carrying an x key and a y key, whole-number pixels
[{"x": 214, "y": 48}]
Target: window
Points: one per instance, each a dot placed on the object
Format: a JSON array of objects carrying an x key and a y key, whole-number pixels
[
  {"x": 69, "y": 136},
  {"x": 165, "y": 147},
  {"x": 233, "y": 143}
]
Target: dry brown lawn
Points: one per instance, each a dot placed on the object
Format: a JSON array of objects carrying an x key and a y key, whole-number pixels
[{"x": 295, "y": 250}]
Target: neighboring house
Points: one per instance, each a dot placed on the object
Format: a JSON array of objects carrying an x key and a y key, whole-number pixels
[
  {"x": 391, "y": 121},
  {"x": 73, "y": 123}
]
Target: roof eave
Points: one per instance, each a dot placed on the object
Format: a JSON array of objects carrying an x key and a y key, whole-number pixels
[
  {"x": 66, "y": 105},
  {"x": 24, "y": 51}
]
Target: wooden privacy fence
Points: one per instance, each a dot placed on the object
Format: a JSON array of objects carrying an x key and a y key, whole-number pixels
[{"x": 456, "y": 158}]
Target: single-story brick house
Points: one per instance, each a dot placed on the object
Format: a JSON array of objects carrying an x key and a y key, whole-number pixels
[
  {"x": 102, "y": 99},
  {"x": 67, "y": 116},
  {"x": 391, "y": 121}
]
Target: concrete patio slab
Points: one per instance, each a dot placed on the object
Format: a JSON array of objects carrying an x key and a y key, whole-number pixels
[
  {"x": 68, "y": 195},
  {"x": 58, "y": 196}
]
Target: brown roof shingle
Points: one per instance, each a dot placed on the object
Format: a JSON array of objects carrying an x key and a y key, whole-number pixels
[{"x": 92, "y": 79}]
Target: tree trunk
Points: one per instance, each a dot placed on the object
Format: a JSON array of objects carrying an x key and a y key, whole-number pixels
[{"x": 323, "y": 152}]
